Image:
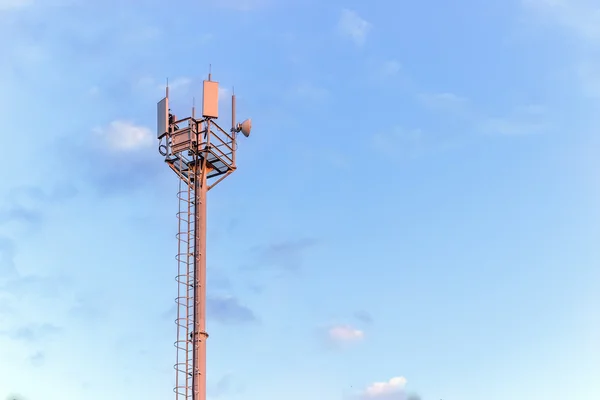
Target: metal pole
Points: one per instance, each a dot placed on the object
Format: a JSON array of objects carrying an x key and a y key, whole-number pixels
[
  {"x": 191, "y": 166},
  {"x": 200, "y": 335},
  {"x": 233, "y": 144}
]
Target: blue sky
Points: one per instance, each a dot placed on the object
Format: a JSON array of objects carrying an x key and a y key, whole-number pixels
[{"x": 415, "y": 213}]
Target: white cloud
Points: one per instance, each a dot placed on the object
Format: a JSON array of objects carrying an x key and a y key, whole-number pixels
[
  {"x": 142, "y": 34},
  {"x": 353, "y": 26},
  {"x": 311, "y": 92},
  {"x": 400, "y": 143},
  {"x": 243, "y": 5},
  {"x": 224, "y": 94},
  {"x": 579, "y": 20},
  {"x": 345, "y": 334},
  {"x": 125, "y": 136},
  {"x": 94, "y": 91},
  {"x": 508, "y": 126},
  {"x": 178, "y": 86},
  {"x": 204, "y": 38},
  {"x": 533, "y": 109},
  {"x": 390, "y": 68},
  {"x": 14, "y": 4},
  {"x": 443, "y": 101},
  {"x": 182, "y": 84},
  {"x": 390, "y": 390},
  {"x": 589, "y": 75},
  {"x": 581, "y": 17},
  {"x": 522, "y": 120}
]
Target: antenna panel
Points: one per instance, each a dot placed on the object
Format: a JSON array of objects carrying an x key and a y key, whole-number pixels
[
  {"x": 210, "y": 100},
  {"x": 181, "y": 140},
  {"x": 162, "y": 121}
]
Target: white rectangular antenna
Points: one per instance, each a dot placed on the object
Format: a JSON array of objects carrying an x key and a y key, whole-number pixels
[
  {"x": 210, "y": 100},
  {"x": 162, "y": 121}
]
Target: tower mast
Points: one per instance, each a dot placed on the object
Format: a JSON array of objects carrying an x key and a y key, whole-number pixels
[{"x": 201, "y": 154}]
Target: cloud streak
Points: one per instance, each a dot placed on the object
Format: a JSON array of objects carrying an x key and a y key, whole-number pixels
[
  {"x": 7, "y": 257},
  {"x": 33, "y": 333},
  {"x": 523, "y": 120},
  {"x": 228, "y": 310},
  {"x": 119, "y": 158},
  {"x": 125, "y": 136},
  {"x": 345, "y": 334},
  {"x": 25, "y": 203},
  {"x": 579, "y": 17},
  {"x": 7, "y": 5},
  {"x": 225, "y": 386},
  {"x": 285, "y": 255},
  {"x": 578, "y": 20},
  {"x": 444, "y": 101},
  {"x": 352, "y": 26},
  {"x": 243, "y": 5},
  {"x": 364, "y": 317}
]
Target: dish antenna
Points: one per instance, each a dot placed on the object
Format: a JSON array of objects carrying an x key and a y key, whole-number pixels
[{"x": 244, "y": 127}]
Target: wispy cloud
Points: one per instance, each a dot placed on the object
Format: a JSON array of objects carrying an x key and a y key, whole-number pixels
[
  {"x": 179, "y": 86},
  {"x": 221, "y": 387},
  {"x": 125, "y": 136},
  {"x": 8, "y": 271},
  {"x": 85, "y": 308},
  {"x": 229, "y": 310},
  {"x": 181, "y": 83},
  {"x": 119, "y": 158},
  {"x": 400, "y": 143},
  {"x": 578, "y": 20},
  {"x": 15, "y": 396},
  {"x": 38, "y": 358},
  {"x": 243, "y": 5},
  {"x": 580, "y": 17},
  {"x": 364, "y": 316},
  {"x": 588, "y": 74},
  {"x": 44, "y": 287},
  {"x": 525, "y": 120},
  {"x": 345, "y": 334},
  {"x": 351, "y": 25},
  {"x": 528, "y": 119},
  {"x": 218, "y": 279},
  {"x": 26, "y": 203},
  {"x": 33, "y": 333},
  {"x": 507, "y": 126},
  {"x": 6, "y": 5},
  {"x": 285, "y": 255},
  {"x": 309, "y": 91},
  {"x": 224, "y": 94},
  {"x": 225, "y": 386},
  {"x": 390, "y": 68},
  {"x": 444, "y": 101}
]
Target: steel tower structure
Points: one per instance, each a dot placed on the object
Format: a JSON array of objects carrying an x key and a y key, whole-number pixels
[{"x": 202, "y": 154}]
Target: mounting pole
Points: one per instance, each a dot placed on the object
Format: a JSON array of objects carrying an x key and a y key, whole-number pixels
[{"x": 200, "y": 334}]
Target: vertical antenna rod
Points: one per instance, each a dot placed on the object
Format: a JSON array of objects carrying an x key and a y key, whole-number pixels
[
  {"x": 233, "y": 110},
  {"x": 233, "y": 127}
]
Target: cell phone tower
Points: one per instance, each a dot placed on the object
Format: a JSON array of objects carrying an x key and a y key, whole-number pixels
[{"x": 202, "y": 154}]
